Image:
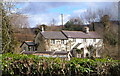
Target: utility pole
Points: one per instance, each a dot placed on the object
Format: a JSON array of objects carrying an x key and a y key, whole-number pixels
[
  {"x": 53, "y": 22},
  {"x": 62, "y": 20}
]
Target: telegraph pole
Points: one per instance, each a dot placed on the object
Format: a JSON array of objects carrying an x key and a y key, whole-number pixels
[
  {"x": 62, "y": 20},
  {"x": 53, "y": 21}
]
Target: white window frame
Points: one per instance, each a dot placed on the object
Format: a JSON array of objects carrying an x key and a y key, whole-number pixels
[
  {"x": 52, "y": 41},
  {"x": 62, "y": 41},
  {"x": 24, "y": 48},
  {"x": 74, "y": 39},
  {"x": 94, "y": 40},
  {"x": 84, "y": 40}
]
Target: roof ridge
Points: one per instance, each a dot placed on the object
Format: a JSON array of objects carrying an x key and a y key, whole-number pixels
[
  {"x": 52, "y": 31},
  {"x": 76, "y": 31},
  {"x": 28, "y": 41}
]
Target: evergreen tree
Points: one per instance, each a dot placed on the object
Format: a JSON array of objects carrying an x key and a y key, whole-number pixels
[
  {"x": 8, "y": 41},
  {"x": 73, "y": 24}
]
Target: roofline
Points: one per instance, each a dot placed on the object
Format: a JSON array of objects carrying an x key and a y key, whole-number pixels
[
  {"x": 26, "y": 44},
  {"x": 28, "y": 41},
  {"x": 74, "y": 31},
  {"x": 42, "y": 35},
  {"x": 48, "y": 52},
  {"x": 69, "y": 37},
  {"x": 22, "y": 44},
  {"x": 85, "y": 38},
  {"x": 79, "y": 37},
  {"x": 64, "y": 34},
  {"x": 55, "y": 38}
]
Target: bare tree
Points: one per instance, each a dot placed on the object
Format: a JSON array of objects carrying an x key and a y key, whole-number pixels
[
  {"x": 10, "y": 23},
  {"x": 19, "y": 21},
  {"x": 105, "y": 15},
  {"x": 110, "y": 37},
  {"x": 76, "y": 20},
  {"x": 92, "y": 15}
]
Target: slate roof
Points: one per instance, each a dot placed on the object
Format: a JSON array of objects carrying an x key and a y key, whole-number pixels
[
  {"x": 53, "y": 35},
  {"x": 28, "y": 52},
  {"x": 53, "y": 52},
  {"x": 61, "y": 53},
  {"x": 46, "y": 52},
  {"x": 81, "y": 34},
  {"x": 29, "y": 43}
]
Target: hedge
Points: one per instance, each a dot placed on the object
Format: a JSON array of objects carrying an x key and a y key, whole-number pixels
[{"x": 31, "y": 65}]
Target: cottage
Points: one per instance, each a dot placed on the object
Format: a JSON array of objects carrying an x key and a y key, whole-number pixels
[
  {"x": 28, "y": 46},
  {"x": 51, "y": 41},
  {"x": 69, "y": 41}
]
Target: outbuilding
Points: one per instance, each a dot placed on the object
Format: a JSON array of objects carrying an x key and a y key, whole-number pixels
[{"x": 28, "y": 46}]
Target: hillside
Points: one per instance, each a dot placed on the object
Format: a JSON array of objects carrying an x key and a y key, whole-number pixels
[{"x": 24, "y": 34}]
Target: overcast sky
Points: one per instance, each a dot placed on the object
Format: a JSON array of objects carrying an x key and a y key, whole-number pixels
[{"x": 44, "y": 12}]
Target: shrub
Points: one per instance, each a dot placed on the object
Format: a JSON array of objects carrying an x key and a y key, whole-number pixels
[{"x": 20, "y": 64}]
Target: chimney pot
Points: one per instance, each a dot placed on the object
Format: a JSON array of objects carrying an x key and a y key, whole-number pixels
[
  {"x": 86, "y": 29},
  {"x": 42, "y": 29}
]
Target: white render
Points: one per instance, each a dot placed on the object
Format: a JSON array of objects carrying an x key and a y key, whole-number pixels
[
  {"x": 68, "y": 44},
  {"x": 97, "y": 44}
]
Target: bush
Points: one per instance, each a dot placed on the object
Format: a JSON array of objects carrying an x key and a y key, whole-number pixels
[{"x": 20, "y": 64}]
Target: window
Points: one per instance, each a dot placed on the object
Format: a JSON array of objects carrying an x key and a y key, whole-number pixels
[
  {"x": 53, "y": 41},
  {"x": 62, "y": 42},
  {"x": 29, "y": 48},
  {"x": 24, "y": 48},
  {"x": 94, "y": 40},
  {"x": 74, "y": 40},
  {"x": 84, "y": 40}
]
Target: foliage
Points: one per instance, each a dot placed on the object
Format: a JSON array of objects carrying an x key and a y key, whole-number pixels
[
  {"x": 91, "y": 50},
  {"x": 73, "y": 24},
  {"x": 20, "y": 64},
  {"x": 0, "y": 40},
  {"x": 78, "y": 50},
  {"x": 105, "y": 20},
  {"x": 90, "y": 47},
  {"x": 111, "y": 38},
  {"x": 8, "y": 41}
]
